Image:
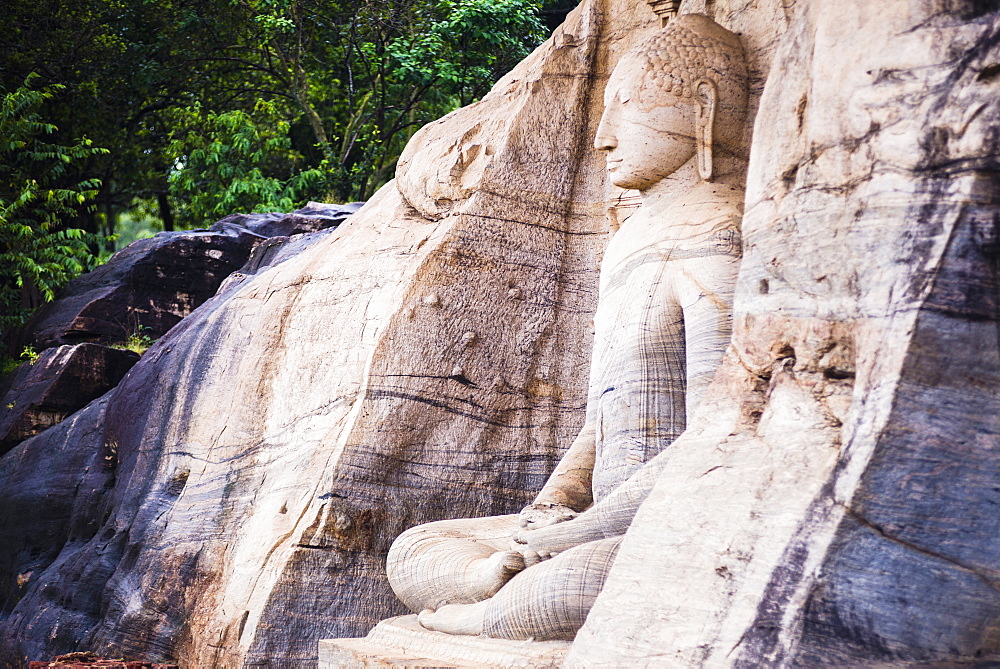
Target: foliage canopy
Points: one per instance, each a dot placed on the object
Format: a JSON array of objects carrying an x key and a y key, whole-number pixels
[
  {"x": 39, "y": 191},
  {"x": 331, "y": 90}
]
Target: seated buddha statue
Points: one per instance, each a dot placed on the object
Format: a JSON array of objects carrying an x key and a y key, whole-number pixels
[{"x": 673, "y": 129}]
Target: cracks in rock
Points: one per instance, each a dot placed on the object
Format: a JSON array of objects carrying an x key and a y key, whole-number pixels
[
  {"x": 243, "y": 624},
  {"x": 988, "y": 73},
  {"x": 915, "y": 548},
  {"x": 449, "y": 398},
  {"x": 539, "y": 225},
  {"x": 325, "y": 408},
  {"x": 242, "y": 454},
  {"x": 460, "y": 378},
  {"x": 375, "y": 394}
]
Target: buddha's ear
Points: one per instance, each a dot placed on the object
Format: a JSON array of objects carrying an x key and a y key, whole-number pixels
[{"x": 706, "y": 99}]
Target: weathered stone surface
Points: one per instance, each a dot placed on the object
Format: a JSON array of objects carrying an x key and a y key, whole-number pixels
[
  {"x": 61, "y": 381},
  {"x": 152, "y": 284},
  {"x": 86, "y": 659},
  {"x": 270, "y": 252},
  {"x": 313, "y": 217},
  {"x": 284, "y": 435},
  {"x": 672, "y": 128},
  {"x": 832, "y": 503},
  {"x": 54, "y": 498},
  {"x": 100, "y": 664},
  {"x": 402, "y": 642},
  {"x": 127, "y": 297}
]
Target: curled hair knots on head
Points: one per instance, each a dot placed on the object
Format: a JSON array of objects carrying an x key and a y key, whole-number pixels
[{"x": 690, "y": 48}]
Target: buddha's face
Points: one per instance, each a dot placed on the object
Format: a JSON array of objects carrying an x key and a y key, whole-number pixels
[{"x": 645, "y": 142}]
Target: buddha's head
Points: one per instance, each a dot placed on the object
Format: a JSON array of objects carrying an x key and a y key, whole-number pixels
[{"x": 680, "y": 93}]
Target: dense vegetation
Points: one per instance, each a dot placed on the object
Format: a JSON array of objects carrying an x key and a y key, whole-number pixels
[
  {"x": 174, "y": 113},
  {"x": 38, "y": 192}
]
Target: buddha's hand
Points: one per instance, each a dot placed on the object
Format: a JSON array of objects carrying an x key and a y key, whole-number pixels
[
  {"x": 537, "y": 545},
  {"x": 542, "y": 514}
]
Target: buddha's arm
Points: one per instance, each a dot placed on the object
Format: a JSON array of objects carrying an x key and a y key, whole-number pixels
[
  {"x": 608, "y": 518},
  {"x": 568, "y": 490}
]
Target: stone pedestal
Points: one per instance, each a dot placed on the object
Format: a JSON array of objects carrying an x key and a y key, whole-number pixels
[{"x": 402, "y": 642}]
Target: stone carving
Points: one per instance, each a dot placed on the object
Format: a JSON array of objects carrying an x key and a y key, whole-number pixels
[
  {"x": 827, "y": 506},
  {"x": 672, "y": 128}
]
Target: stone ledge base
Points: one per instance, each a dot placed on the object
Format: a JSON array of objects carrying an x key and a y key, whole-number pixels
[{"x": 402, "y": 642}]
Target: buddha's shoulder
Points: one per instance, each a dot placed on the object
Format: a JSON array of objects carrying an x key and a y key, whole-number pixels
[{"x": 718, "y": 200}]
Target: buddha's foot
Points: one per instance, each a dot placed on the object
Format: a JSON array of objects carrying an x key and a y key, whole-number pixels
[
  {"x": 488, "y": 575},
  {"x": 456, "y": 618}
]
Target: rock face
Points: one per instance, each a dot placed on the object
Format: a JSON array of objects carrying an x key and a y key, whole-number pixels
[
  {"x": 62, "y": 380},
  {"x": 672, "y": 126},
  {"x": 144, "y": 290},
  {"x": 88, "y": 660},
  {"x": 55, "y": 498},
  {"x": 834, "y": 501},
  {"x": 152, "y": 284}
]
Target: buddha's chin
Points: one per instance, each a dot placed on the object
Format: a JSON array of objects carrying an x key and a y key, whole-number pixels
[
  {"x": 628, "y": 179},
  {"x": 623, "y": 181}
]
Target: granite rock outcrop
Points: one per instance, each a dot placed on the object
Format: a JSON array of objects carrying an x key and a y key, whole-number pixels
[
  {"x": 671, "y": 128},
  {"x": 282, "y": 434},
  {"x": 61, "y": 381},
  {"x": 832, "y": 502},
  {"x": 135, "y": 298},
  {"x": 149, "y": 286}
]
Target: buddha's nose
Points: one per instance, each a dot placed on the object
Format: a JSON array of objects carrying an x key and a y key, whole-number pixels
[{"x": 605, "y": 139}]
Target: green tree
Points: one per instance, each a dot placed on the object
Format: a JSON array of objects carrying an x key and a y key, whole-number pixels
[
  {"x": 365, "y": 75},
  {"x": 39, "y": 251},
  {"x": 351, "y": 79},
  {"x": 408, "y": 64},
  {"x": 236, "y": 162},
  {"x": 472, "y": 46},
  {"x": 124, "y": 65}
]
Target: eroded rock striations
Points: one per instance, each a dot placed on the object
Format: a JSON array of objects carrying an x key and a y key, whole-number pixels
[
  {"x": 55, "y": 498},
  {"x": 672, "y": 127},
  {"x": 63, "y": 380},
  {"x": 833, "y": 502},
  {"x": 138, "y": 295},
  {"x": 399, "y": 369}
]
